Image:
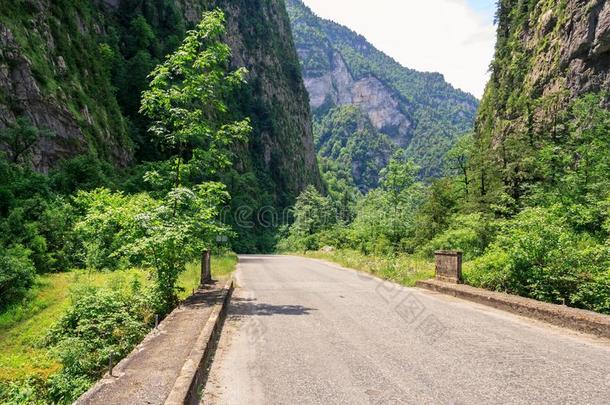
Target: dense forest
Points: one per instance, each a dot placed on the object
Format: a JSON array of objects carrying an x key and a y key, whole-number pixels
[{"x": 419, "y": 112}]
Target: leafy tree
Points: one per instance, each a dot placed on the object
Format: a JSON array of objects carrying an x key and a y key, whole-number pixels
[
  {"x": 17, "y": 274},
  {"x": 141, "y": 32},
  {"x": 312, "y": 214},
  {"x": 187, "y": 100},
  {"x": 20, "y": 138},
  {"x": 169, "y": 236},
  {"x": 396, "y": 180},
  {"x": 459, "y": 161},
  {"x": 187, "y": 103}
]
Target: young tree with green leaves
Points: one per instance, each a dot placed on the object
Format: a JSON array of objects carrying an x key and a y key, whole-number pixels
[
  {"x": 187, "y": 101},
  {"x": 396, "y": 180}
]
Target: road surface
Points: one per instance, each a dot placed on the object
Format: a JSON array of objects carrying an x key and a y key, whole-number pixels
[{"x": 304, "y": 332}]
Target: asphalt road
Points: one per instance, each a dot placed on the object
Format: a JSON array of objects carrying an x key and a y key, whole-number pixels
[{"x": 304, "y": 332}]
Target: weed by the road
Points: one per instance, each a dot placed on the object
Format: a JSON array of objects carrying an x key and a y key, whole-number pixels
[{"x": 402, "y": 269}]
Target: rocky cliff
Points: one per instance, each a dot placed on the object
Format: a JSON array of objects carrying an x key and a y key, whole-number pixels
[
  {"x": 547, "y": 52},
  {"x": 77, "y": 68},
  {"x": 48, "y": 78},
  {"x": 548, "y": 55},
  {"x": 420, "y": 112}
]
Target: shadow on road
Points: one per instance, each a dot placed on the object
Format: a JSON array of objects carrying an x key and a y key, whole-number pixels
[{"x": 244, "y": 307}]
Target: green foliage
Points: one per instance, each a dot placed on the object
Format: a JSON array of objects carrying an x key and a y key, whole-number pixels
[
  {"x": 358, "y": 151},
  {"x": 186, "y": 99},
  {"x": 174, "y": 233},
  {"x": 468, "y": 233},
  {"x": 107, "y": 225},
  {"x": 384, "y": 219},
  {"x": 313, "y": 213},
  {"x": 537, "y": 255},
  {"x": 187, "y": 105},
  {"x": 99, "y": 323},
  {"x": 17, "y": 274}
]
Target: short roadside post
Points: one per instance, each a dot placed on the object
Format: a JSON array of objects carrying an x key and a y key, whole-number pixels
[
  {"x": 206, "y": 268},
  {"x": 449, "y": 266}
]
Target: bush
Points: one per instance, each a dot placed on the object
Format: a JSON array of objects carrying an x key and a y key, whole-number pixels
[
  {"x": 31, "y": 392},
  {"x": 537, "y": 255},
  {"x": 107, "y": 225},
  {"x": 469, "y": 233},
  {"x": 99, "y": 322},
  {"x": 17, "y": 274}
]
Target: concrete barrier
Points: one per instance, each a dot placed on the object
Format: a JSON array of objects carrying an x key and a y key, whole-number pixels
[
  {"x": 572, "y": 318},
  {"x": 193, "y": 375},
  {"x": 448, "y": 266}
]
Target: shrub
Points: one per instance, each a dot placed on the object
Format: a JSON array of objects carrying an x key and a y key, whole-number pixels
[
  {"x": 537, "y": 255},
  {"x": 470, "y": 233},
  {"x": 31, "y": 392},
  {"x": 107, "y": 225},
  {"x": 17, "y": 274},
  {"x": 99, "y": 322}
]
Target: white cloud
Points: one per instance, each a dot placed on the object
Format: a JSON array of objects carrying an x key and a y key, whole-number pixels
[{"x": 446, "y": 36}]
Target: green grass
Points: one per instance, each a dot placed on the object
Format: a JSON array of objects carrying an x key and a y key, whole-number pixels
[
  {"x": 22, "y": 327},
  {"x": 401, "y": 269}
]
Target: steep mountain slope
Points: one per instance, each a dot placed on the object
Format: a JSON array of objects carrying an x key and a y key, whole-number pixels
[
  {"x": 77, "y": 68},
  {"x": 347, "y": 137},
  {"x": 420, "y": 112},
  {"x": 557, "y": 52}
]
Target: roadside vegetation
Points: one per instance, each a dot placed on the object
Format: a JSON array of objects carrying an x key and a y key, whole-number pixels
[
  {"x": 544, "y": 234},
  {"x": 38, "y": 341},
  {"x": 139, "y": 235}
]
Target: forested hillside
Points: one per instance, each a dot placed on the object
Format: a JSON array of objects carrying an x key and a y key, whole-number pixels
[
  {"x": 134, "y": 135},
  {"x": 419, "y": 112},
  {"x": 527, "y": 195},
  {"x": 73, "y": 72}
]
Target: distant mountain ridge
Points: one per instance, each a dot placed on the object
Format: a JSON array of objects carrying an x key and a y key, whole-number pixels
[{"x": 419, "y": 112}]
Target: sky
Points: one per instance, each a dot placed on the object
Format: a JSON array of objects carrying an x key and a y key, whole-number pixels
[{"x": 453, "y": 37}]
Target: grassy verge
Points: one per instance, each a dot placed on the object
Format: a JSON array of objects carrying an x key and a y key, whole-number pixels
[
  {"x": 23, "y": 326},
  {"x": 402, "y": 269}
]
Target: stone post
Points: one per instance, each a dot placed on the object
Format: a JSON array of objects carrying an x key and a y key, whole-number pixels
[
  {"x": 206, "y": 268},
  {"x": 449, "y": 266}
]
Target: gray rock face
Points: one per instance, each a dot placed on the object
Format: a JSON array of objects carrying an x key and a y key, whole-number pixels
[
  {"x": 375, "y": 99},
  {"x": 585, "y": 50},
  {"x": 17, "y": 82}
]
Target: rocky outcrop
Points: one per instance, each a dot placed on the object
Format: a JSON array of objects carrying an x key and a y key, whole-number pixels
[
  {"x": 369, "y": 94},
  {"x": 24, "y": 98},
  {"x": 32, "y": 76},
  {"x": 419, "y": 111},
  {"x": 585, "y": 49},
  {"x": 557, "y": 52}
]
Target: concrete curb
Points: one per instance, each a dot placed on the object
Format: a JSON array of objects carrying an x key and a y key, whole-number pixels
[
  {"x": 193, "y": 368},
  {"x": 194, "y": 373},
  {"x": 571, "y": 318}
]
